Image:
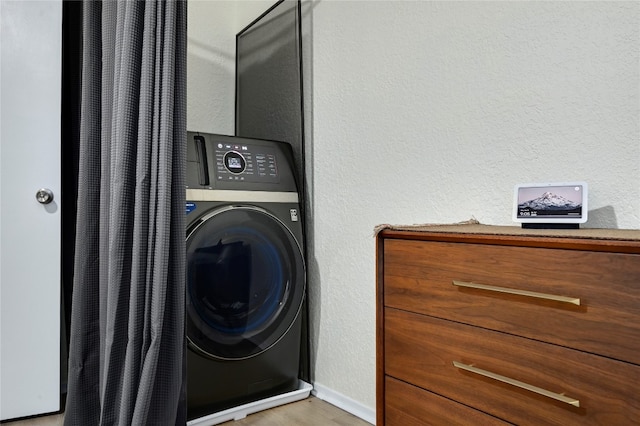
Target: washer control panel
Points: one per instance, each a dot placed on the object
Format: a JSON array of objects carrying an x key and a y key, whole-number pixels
[
  {"x": 222, "y": 162},
  {"x": 245, "y": 163}
]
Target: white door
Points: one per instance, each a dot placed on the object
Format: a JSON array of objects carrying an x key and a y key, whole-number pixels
[{"x": 31, "y": 46}]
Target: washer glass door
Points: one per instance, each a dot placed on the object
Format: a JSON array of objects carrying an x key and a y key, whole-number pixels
[{"x": 245, "y": 282}]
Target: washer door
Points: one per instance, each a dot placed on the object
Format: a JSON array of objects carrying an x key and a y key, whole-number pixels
[{"x": 245, "y": 282}]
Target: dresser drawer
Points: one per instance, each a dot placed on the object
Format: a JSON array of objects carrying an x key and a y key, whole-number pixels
[
  {"x": 407, "y": 405},
  {"x": 422, "y": 350},
  {"x": 419, "y": 276}
]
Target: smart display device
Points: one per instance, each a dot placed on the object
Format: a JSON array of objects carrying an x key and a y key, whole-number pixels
[{"x": 550, "y": 205}]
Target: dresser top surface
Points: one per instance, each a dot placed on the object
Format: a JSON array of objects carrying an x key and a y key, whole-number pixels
[{"x": 626, "y": 240}]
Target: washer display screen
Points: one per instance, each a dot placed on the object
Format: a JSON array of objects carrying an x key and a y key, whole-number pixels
[{"x": 234, "y": 162}]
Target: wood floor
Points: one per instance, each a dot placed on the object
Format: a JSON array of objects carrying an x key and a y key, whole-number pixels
[{"x": 308, "y": 412}]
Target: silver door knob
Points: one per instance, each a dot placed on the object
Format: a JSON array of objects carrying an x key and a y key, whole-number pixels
[{"x": 44, "y": 196}]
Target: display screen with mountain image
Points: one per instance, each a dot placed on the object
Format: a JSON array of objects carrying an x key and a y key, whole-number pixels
[{"x": 551, "y": 202}]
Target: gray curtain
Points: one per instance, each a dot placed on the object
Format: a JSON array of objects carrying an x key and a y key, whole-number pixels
[{"x": 126, "y": 360}]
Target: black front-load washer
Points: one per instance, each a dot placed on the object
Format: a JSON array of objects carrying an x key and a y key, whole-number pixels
[{"x": 245, "y": 272}]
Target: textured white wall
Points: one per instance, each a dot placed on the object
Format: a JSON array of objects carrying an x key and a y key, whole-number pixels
[
  {"x": 432, "y": 111},
  {"x": 211, "y": 60}
]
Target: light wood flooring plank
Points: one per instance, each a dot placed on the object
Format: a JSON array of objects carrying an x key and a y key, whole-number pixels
[
  {"x": 308, "y": 412},
  {"x": 50, "y": 420}
]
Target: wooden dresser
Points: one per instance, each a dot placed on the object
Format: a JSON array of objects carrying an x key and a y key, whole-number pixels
[{"x": 483, "y": 325}]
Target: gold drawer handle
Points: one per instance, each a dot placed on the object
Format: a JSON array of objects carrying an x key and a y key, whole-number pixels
[
  {"x": 514, "y": 382},
  {"x": 564, "y": 299}
]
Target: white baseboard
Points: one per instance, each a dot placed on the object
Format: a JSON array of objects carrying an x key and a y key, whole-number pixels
[{"x": 344, "y": 402}]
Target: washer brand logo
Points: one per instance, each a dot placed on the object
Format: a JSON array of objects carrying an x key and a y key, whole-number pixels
[
  {"x": 294, "y": 215},
  {"x": 190, "y": 207}
]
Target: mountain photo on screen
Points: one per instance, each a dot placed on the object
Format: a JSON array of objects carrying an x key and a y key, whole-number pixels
[{"x": 550, "y": 201}]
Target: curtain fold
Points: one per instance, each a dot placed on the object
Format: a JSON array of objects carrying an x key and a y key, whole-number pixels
[{"x": 126, "y": 359}]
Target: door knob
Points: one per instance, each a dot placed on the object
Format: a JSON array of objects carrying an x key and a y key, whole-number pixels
[{"x": 44, "y": 196}]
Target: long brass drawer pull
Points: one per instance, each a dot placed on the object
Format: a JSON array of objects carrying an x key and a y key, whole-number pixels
[
  {"x": 564, "y": 299},
  {"x": 514, "y": 382}
]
